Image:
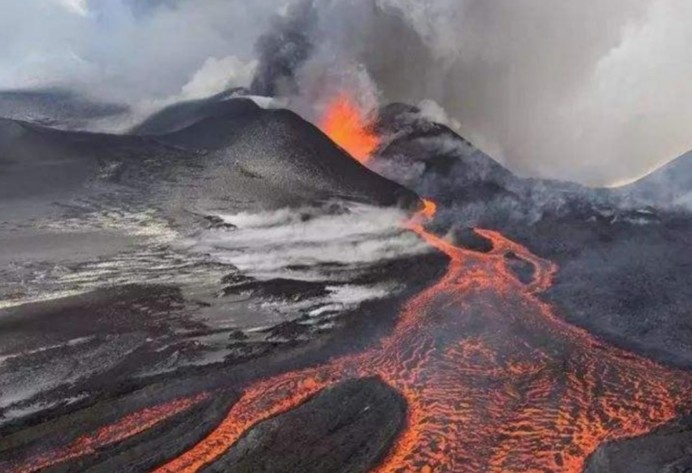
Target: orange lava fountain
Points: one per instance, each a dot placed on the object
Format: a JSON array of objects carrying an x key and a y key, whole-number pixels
[
  {"x": 494, "y": 381},
  {"x": 348, "y": 127}
]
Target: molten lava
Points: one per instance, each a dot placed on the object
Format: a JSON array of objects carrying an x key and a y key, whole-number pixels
[
  {"x": 123, "y": 429},
  {"x": 429, "y": 209},
  {"x": 348, "y": 127},
  {"x": 493, "y": 379}
]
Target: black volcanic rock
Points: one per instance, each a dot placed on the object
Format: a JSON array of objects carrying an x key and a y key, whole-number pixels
[
  {"x": 279, "y": 289},
  {"x": 665, "y": 450},
  {"x": 467, "y": 238},
  {"x": 344, "y": 429},
  {"x": 228, "y": 104},
  {"x": 109, "y": 310},
  {"x": 626, "y": 282},
  {"x": 354, "y": 422},
  {"x": 39, "y": 161},
  {"x": 437, "y": 163},
  {"x": 100, "y": 337},
  {"x": 409, "y": 135},
  {"x": 277, "y": 158},
  {"x": 141, "y": 452},
  {"x": 153, "y": 447},
  {"x": 213, "y": 221},
  {"x": 523, "y": 270},
  {"x": 210, "y": 126}
]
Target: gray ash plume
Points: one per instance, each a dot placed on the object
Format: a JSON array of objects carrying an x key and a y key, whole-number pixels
[{"x": 283, "y": 49}]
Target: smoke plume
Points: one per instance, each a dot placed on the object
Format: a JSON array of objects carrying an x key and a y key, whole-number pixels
[{"x": 587, "y": 92}]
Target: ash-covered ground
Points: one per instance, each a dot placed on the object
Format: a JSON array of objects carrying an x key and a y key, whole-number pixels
[{"x": 219, "y": 242}]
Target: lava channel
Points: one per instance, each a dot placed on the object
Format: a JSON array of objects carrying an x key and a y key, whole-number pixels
[
  {"x": 494, "y": 381},
  {"x": 89, "y": 444}
]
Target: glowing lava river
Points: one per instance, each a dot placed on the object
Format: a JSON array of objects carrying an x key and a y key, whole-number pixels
[{"x": 494, "y": 381}]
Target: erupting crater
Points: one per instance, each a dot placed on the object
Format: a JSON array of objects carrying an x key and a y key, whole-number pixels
[{"x": 348, "y": 127}]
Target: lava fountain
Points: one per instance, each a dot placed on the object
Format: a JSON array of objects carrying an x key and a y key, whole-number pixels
[{"x": 350, "y": 128}]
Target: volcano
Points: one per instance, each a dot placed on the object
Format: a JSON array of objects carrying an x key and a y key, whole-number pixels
[
  {"x": 224, "y": 288},
  {"x": 271, "y": 157}
]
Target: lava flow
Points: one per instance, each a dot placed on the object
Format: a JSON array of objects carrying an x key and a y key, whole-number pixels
[
  {"x": 494, "y": 381},
  {"x": 344, "y": 123},
  {"x": 123, "y": 429}
]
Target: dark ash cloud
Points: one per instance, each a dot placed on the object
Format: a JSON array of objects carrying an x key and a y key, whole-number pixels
[{"x": 593, "y": 93}]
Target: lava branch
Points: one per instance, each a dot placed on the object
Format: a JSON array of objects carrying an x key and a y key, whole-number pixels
[
  {"x": 520, "y": 391},
  {"x": 493, "y": 380},
  {"x": 88, "y": 444}
]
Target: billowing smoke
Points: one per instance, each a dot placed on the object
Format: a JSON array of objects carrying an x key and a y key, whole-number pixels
[
  {"x": 132, "y": 50},
  {"x": 336, "y": 247},
  {"x": 589, "y": 92},
  {"x": 283, "y": 50}
]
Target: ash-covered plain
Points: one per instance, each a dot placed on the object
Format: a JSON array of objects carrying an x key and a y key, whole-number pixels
[{"x": 153, "y": 281}]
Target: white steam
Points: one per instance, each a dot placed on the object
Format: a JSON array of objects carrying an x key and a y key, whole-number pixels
[
  {"x": 273, "y": 244},
  {"x": 76, "y": 6},
  {"x": 217, "y": 75},
  {"x": 590, "y": 91},
  {"x": 581, "y": 91},
  {"x": 129, "y": 50},
  {"x": 334, "y": 249}
]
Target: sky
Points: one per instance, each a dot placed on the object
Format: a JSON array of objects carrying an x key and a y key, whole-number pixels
[{"x": 596, "y": 92}]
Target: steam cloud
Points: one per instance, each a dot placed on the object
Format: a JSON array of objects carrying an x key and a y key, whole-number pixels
[{"x": 589, "y": 92}]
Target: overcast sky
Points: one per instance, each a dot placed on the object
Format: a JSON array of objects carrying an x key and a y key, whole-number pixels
[{"x": 597, "y": 91}]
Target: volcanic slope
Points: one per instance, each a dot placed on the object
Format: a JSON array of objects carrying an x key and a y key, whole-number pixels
[
  {"x": 181, "y": 115},
  {"x": 79, "y": 210},
  {"x": 237, "y": 152},
  {"x": 492, "y": 380},
  {"x": 272, "y": 156},
  {"x": 624, "y": 262},
  {"x": 669, "y": 186}
]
